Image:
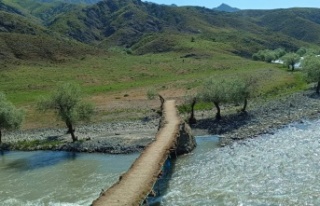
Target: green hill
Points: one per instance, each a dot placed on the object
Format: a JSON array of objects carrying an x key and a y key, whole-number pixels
[{"x": 152, "y": 28}]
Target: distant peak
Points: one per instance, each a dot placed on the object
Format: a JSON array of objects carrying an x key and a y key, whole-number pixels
[{"x": 226, "y": 8}]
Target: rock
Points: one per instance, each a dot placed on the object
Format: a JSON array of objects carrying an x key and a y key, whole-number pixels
[{"x": 186, "y": 140}]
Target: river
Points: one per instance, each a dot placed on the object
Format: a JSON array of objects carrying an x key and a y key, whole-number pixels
[
  {"x": 47, "y": 178},
  {"x": 278, "y": 169}
]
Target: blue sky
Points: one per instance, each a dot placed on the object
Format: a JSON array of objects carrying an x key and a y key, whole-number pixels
[{"x": 244, "y": 4}]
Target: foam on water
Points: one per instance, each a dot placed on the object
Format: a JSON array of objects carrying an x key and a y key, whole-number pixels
[{"x": 279, "y": 169}]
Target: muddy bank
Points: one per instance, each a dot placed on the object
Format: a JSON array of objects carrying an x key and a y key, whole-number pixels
[{"x": 263, "y": 116}]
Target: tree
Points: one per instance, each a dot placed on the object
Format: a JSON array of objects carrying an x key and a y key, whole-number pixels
[
  {"x": 302, "y": 51},
  {"x": 216, "y": 92},
  {"x": 67, "y": 103},
  {"x": 290, "y": 59},
  {"x": 280, "y": 52},
  {"x": 10, "y": 116},
  {"x": 242, "y": 89},
  {"x": 311, "y": 66}
]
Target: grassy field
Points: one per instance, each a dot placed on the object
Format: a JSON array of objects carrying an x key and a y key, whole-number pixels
[{"x": 118, "y": 82}]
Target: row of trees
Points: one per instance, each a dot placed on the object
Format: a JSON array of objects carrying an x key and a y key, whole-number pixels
[
  {"x": 289, "y": 59},
  {"x": 66, "y": 101},
  {"x": 241, "y": 89},
  {"x": 227, "y": 91},
  {"x": 237, "y": 91}
]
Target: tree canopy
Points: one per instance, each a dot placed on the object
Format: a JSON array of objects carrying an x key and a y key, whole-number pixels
[
  {"x": 10, "y": 116},
  {"x": 67, "y": 103},
  {"x": 311, "y": 66},
  {"x": 290, "y": 59},
  {"x": 216, "y": 91}
]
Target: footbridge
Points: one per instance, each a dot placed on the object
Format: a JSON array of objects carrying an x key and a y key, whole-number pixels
[{"x": 136, "y": 184}]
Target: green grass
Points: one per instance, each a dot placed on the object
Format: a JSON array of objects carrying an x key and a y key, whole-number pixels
[
  {"x": 118, "y": 73},
  {"x": 33, "y": 144}
]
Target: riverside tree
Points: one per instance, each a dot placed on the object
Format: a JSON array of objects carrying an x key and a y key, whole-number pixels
[
  {"x": 216, "y": 91},
  {"x": 10, "y": 116},
  {"x": 290, "y": 59},
  {"x": 67, "y": 103},
  {"x": 311, "y": 66},
  {"x": 242, "y": 90}
]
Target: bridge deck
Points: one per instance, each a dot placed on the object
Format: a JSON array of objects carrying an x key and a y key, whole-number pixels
[{"x": 137, "y": 182}]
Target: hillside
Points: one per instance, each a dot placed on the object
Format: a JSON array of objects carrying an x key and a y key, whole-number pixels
[
  {"x": 118, "y": 50},
  {"x": 151, "y": 28},
  {"x": 299, "y": 23}
]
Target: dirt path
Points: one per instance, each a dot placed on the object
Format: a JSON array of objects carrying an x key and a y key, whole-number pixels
[{"x": 137, "y": 183}]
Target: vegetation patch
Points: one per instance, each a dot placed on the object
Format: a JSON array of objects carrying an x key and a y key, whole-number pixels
[{"x": 30, "y": 145}]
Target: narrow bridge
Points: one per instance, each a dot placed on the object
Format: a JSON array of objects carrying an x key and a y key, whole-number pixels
[{"x": 135, "y": 185}]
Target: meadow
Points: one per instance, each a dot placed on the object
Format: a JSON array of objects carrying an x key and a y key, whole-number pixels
[{"x": 118, "y": 81}]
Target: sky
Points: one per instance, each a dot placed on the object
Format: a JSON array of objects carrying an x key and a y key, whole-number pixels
[{"x": 243, "y": 4}]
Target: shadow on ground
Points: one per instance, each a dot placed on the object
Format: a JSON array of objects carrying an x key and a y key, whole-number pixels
[{"x": 226, "y": 124}]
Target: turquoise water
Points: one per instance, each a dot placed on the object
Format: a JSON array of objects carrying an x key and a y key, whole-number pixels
[{"x": 57, "y": 178}]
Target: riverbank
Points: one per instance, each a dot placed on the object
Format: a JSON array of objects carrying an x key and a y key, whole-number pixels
[
  {"x": 113, "y": 138},
  {"x": 263, "y": 116}
]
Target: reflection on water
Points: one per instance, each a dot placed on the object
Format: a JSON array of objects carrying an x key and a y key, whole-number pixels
[
  {"x": 37, "y": 160},
  {"x": 279, "y": 169},
  {"x": 57, "y": 178}
]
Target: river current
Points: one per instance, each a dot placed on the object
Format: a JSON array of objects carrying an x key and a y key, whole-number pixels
[
  {"x": 279, "y": 169},
  {"x": 270, "y": 170},
  {"x": 57, "y": 178}
]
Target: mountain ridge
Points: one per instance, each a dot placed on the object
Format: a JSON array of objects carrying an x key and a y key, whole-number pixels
[{"x": 146, "y": 27}]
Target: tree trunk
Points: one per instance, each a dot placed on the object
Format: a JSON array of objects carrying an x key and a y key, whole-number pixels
[
  {"x": 71, "y": 131},
  {"x": 0, "y": 136},
  {"x": 292, "y": 67},
  {"x": 318, "y": 88},
  {"x": 162, "y": 100},
  {"x": 218, "y": 115},
  {"x": 245, "y": 105},
  {"x": 192, "y": 119}
]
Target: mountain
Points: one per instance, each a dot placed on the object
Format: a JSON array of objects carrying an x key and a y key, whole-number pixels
[
  {"x": 299, "y": 23},
  {"x": 150, "y": 28},
  {"x": 226, "y": 8},
  {"x": 89, "y": 2}
]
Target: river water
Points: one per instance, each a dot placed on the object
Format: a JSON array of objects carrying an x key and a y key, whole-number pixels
[
  {"x": 57, "y": 178},
  {"x": 279, "y": 169}
]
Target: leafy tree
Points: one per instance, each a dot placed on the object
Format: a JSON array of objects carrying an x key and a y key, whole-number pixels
[
  {"x": 302, "y": 51},
  {"x": 268, "y": 55},
  {"x": 311, "y": 66},
  {"x": 216, "y": 91},
  {"x": 280, "y": 52},
  {"x": 68, "y": 105},
  {"x": 242, "y": 90},
  {"x": 10, "y": 116},
  {"x": 290, "y": 59}
]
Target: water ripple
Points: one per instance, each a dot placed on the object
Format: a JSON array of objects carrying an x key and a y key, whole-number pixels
[{"x": 279, "y": 169}]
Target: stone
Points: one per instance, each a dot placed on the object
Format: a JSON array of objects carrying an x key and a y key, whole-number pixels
[{"x": 186, "y": 140}]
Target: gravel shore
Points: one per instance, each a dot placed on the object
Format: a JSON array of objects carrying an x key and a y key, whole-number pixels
[
  {"x": 114, "y": 138},
  {"x": 263, "y": 116}
]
